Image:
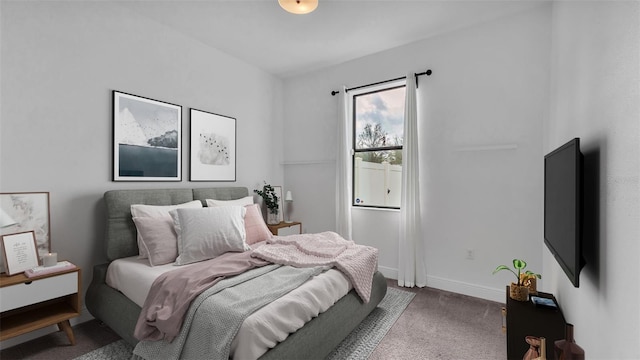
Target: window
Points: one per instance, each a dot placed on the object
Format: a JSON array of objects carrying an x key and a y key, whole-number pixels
[{"x": 378, "y": 133}]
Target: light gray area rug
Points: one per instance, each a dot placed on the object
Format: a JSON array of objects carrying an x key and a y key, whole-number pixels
[
  {"x": 119, "y": 350},
  {"x": 358, "y": 345},
  {"x": 364, "y": 339}
]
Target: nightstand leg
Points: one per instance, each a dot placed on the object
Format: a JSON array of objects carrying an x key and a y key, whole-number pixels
[{"x": 66, "y": 327}]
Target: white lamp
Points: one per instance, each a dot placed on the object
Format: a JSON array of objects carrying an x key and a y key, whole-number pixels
[
  {"x": 5, "y": 219},
  {"x": 288, "y": 198},
  {"x": 298, "y": 6}
]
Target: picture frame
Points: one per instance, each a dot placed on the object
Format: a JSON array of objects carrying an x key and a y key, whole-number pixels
[
  {"x": 147, "y": 139},
  {"x": 26, "y": 211},
  {"x": 278, "y": 191},
  {"x": 20, "y": 252},
  {"x": 212, "y": 151}
]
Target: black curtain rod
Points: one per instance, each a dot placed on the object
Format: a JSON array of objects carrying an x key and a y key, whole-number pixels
[{"x": 428, "y": 73}]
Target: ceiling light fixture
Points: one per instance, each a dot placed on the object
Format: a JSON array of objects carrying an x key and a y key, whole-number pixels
[{"x": 298, "y": 6}]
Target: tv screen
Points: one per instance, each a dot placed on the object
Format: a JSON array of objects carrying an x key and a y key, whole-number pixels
[{"x": 563, "y": 207}]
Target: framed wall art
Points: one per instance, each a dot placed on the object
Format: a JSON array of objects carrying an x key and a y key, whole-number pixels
[
  {"x": 147, "y": 135},
  {"x": 20, "y": 252},
  {"x": 26, "y": 211},
  {"x": 213, "y": 147}
]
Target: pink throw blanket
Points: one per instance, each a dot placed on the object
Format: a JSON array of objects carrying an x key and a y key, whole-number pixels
[
  {"x": 172, "y": 293},
  {"x": 357, "y": 262}
]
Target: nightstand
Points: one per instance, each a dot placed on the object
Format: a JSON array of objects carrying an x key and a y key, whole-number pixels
[
  {"x": 286, "y": 228},
  {"x": 29, "y": 304}
]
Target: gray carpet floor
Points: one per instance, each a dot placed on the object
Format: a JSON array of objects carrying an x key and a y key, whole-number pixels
[
  {"x": 435, "y": 325},
  {"x": 439, "y": 324}
]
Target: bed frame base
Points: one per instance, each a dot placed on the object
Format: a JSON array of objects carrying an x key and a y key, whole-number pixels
[{"x": 121, "y": 314}]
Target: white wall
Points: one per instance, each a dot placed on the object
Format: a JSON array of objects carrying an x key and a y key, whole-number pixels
[
  {"x": 595, "y": 96},
  {"x": 489, "y": 88},
  {"x": 60, "y": 62}
]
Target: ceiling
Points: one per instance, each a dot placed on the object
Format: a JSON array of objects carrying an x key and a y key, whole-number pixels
[{"x": 260, "y": 33}]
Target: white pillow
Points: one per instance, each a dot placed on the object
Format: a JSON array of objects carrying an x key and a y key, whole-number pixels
[
  {"x": 208, "y": 232},
  {"x": 140, "y": 210},
  {"x": 247, "y": 200}
]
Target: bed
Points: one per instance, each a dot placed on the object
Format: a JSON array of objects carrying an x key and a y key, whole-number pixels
[{"x": 315, "y": 340}]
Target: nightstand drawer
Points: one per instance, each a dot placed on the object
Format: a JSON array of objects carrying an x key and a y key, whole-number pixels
[
  {"x": 23, "y": 294},
  {"x": 289, "y": 230}
]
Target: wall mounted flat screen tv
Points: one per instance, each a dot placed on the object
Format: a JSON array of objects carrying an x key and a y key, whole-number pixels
[{"x": 563, "y": 202}]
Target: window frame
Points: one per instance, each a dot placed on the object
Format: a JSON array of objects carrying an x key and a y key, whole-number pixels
[{"x": 391, "y": 85}]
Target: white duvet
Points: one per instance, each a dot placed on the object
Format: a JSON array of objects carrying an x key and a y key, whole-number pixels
[{"x": 263, "y": 329}]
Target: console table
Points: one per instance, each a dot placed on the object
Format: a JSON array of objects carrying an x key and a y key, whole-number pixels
[{"x": 524, "y": 319}]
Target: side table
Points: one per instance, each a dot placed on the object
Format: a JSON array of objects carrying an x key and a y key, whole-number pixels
[
  {"x": 29, "y": 304},
  {"x": 286, "y": 228}
]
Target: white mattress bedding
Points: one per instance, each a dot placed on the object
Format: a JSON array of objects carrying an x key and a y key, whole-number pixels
[{"x": 263, "y": 329}]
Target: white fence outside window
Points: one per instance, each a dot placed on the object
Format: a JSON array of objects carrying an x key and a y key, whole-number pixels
[{"x": 377, "y": 184}]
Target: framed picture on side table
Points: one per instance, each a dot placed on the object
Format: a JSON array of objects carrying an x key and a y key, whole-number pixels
[
  {"x": 26, "y": 211},
  {"x": 20, "y": 252}
]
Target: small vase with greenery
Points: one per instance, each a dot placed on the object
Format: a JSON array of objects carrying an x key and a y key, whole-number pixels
[
  {"x": 521, "y": 288},
  {"x": 270, "y": 199}
]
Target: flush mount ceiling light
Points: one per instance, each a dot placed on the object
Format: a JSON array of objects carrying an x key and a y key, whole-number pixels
[{"x": 298, "y": 6}]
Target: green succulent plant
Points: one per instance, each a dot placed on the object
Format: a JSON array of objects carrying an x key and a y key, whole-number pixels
[
  {"x": 518, "y": 265},
  {"x": 269, "y": 197}
]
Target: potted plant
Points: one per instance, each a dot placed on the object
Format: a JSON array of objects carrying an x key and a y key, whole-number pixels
[
  {"x": 520, "y": 289},
  {"x": 270, "y": 199}
]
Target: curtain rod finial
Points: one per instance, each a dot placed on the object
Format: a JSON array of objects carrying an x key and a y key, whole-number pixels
[
  {"x": 428, "y": 72},
  {"x": 334, "y": 92}
]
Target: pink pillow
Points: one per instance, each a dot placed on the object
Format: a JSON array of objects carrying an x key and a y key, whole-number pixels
[
  {"x": 255, "y": 226},
  {"x": 158, "y": 238},
  {"x": 142, "y": 210}
]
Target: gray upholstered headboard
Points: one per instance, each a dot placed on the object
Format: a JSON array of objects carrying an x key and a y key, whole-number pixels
[{"x": 120, "y": 234}]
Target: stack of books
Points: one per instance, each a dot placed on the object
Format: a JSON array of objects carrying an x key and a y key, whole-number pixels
[{"x": 43, "y": 270}]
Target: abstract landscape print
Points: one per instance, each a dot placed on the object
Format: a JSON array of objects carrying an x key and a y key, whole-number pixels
[
  {"x": 26, "y": 211},
  {"x": 213, "y": 147},
  {"x": 147, "y": 137}
]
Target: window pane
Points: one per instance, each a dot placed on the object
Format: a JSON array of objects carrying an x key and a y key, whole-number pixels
[
  {"x": 377, "y": 183},
  {"x": 379, "y": 118}
]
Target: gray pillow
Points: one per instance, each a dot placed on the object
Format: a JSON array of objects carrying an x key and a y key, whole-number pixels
[{"x": 207, "y": 233}]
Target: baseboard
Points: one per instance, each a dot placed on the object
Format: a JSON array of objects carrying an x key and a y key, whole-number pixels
[
  {"x": 389, "y": 273},
  {"x": 83, "y": 317},
  {"x": 455, "y": 286},
  {"x": 460, "y": 287}
]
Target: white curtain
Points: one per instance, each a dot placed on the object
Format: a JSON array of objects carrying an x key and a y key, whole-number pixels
[
  {"x": 343, "y": 169},
  {"x": 411, "y": 264}
]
